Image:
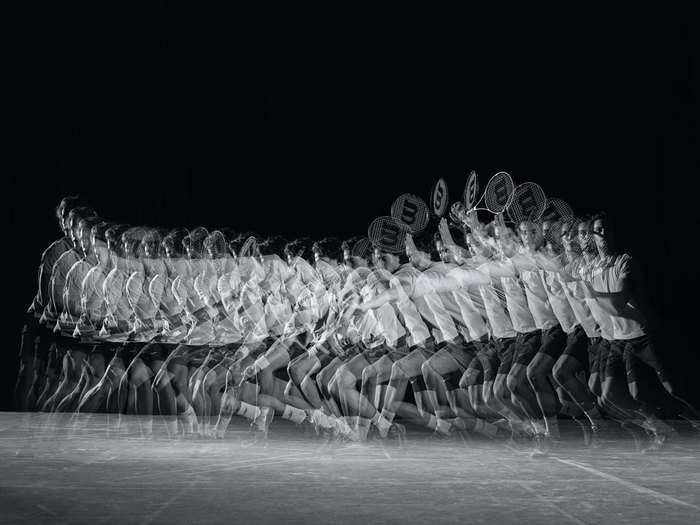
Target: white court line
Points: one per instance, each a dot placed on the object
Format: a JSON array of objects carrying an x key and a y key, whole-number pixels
[
  {"x": 544, "y": 500},
  {"x": 629, "y": 484}
]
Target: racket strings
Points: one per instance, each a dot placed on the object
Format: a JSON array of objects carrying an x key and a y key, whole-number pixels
[{"x": 528, "y": 203}]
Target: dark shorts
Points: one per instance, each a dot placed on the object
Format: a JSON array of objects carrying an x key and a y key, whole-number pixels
[
  {"x": 614, "y": 360},
  {"x": 594, "y": 346},
  {"x": 526, "y": 346},
  {"x": 106, "y": 350},
  {"x": 505, "y": 349},
  {"x": 637, "y": 352},
  {"x": 577, "y": 345},
  {"x": 463, "y": 352},
  {"x": 553, "y": 342}
]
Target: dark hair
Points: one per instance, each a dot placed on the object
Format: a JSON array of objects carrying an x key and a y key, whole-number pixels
[
  {"x": 113, "y": 235},
  {"x": 273, "y": 245},
  {"x": 195, "y": 240},
  {"x": 298, "y": 247},
  {"x": 99, "y": 231},
  {"x": 603, "y": 216},
  {"x": 81, "y": 212},
  {"x": 89, "y": 223},
  {"x": 216, "y": 243},
  {"x": 66, "y": 205},
  {"x": 174, "y": 241},
  {"x": 328, "y": 247},
  {"x": 236, "y": 243}
]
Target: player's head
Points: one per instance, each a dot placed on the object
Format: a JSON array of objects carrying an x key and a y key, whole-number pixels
[
  {"x": 603, "y": 233},
  {"x": 552, "y": 233},
  {"x": 85, "y": 233},
  {"x": 569, "y": 237},
  {"x": 63, "y": 209},
  {"x": 385, "y": 260},
  {"x": 113, "y": 236},
  {"x": 327, "y": 249},
  {"x": 530, "y": 234},
  {"x": 297, "y": 248},
  {"x": 194, "y": 242},
  {"x": 585, "y": 237},
  {"x": 98, "y": 241},
  {"x": 173, "y": 243},
  {"x": 215, "y": 245},
  {"x": 132, "y": 241},
  {"x": 506, "y": 241},
  {"x": 73, "y": 221},
  {"x": 273, "y": 245},
  {"x": 151, "y": 243}
]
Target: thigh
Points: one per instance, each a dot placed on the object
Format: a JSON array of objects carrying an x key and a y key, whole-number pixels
[
  {"x": 541, "y": 364},
  {"x": 526, "y": 347},
  {"x": 411, "y": 364},
  {"x": 443, "y": 362},
  {"x": 577, "y": 347},
  {"x": 553, "y": 342}
]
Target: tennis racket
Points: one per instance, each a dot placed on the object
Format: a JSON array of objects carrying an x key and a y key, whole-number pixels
[
  {"x": 439, "y": 198},
  {"x": 528, "y": 203},
  {"x": 412, "y": 211},
  {"x": 388, "y": 234}
]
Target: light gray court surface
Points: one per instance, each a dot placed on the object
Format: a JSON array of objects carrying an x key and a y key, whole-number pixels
[{"x": 52, "y": 472}]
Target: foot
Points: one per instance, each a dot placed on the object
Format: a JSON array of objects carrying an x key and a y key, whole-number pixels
[{"x": 264, "y": 419}]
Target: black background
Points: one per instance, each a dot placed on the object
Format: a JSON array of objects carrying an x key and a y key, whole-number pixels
[{"x": 312, "y": 122}]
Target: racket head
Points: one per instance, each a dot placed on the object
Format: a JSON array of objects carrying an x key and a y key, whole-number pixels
[
  {"x": 388, "y": 234},
  {"x": 362, "y": 248},
  {"x": 249, "y": 248},
  {"x": 499, "y": 192},
  {"x": 412, "y": 211},
  {"x": 439, "y": 198},
  {"x": 528, "y": 203},
  {"x": 471, "y": 190},
  {"x": 558, "y": 210}
]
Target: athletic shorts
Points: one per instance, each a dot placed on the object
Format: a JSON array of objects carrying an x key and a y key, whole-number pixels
[
  {"x": 526, "y": 346},
  {"x": 553, "y": 342},
  {"x": 614, "y": 364},
  {"x": 505, "y": 348},
  {"x": 106, "y": 349},
  {"x": 462, "y": 352},
  {"x": 577, "y": 345},
  {"x": 640, "y": 350},
  {"x": 594, "y": 344}
]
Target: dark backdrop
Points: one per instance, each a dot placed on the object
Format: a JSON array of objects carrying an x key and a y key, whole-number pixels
[{"x": 313, "y": 122}]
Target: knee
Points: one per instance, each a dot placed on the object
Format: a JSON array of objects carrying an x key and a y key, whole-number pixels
[
  {"x": 295, "y": 372},
  {"x": 560, "y": 372},
  {"x": 426, "y": 369},
  {"x": 368, "y": 373},
  {"x": 397, "y": 371},
  {"x": 139, "y": 374},
  {"x": 512, "y": 383}
]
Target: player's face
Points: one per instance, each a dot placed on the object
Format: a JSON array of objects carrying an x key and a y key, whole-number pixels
[
  {"x": 584, "y": 237},
  {"x": 84, "y": 236},
  {"x": 504, "y": 242},
  {"x": 376, "y": 257},
  {"x": 530, "y": 234},
  {"x": 601, "y": 237},
  {"x": 150, "y": 249},
  {"x": 317, "y": 255},
  {"x": 74, "y": 233},
  {"x": 346, "y": 256}
]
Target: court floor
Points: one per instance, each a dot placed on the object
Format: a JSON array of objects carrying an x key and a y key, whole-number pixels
[{"x": 62, "y": 469}]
